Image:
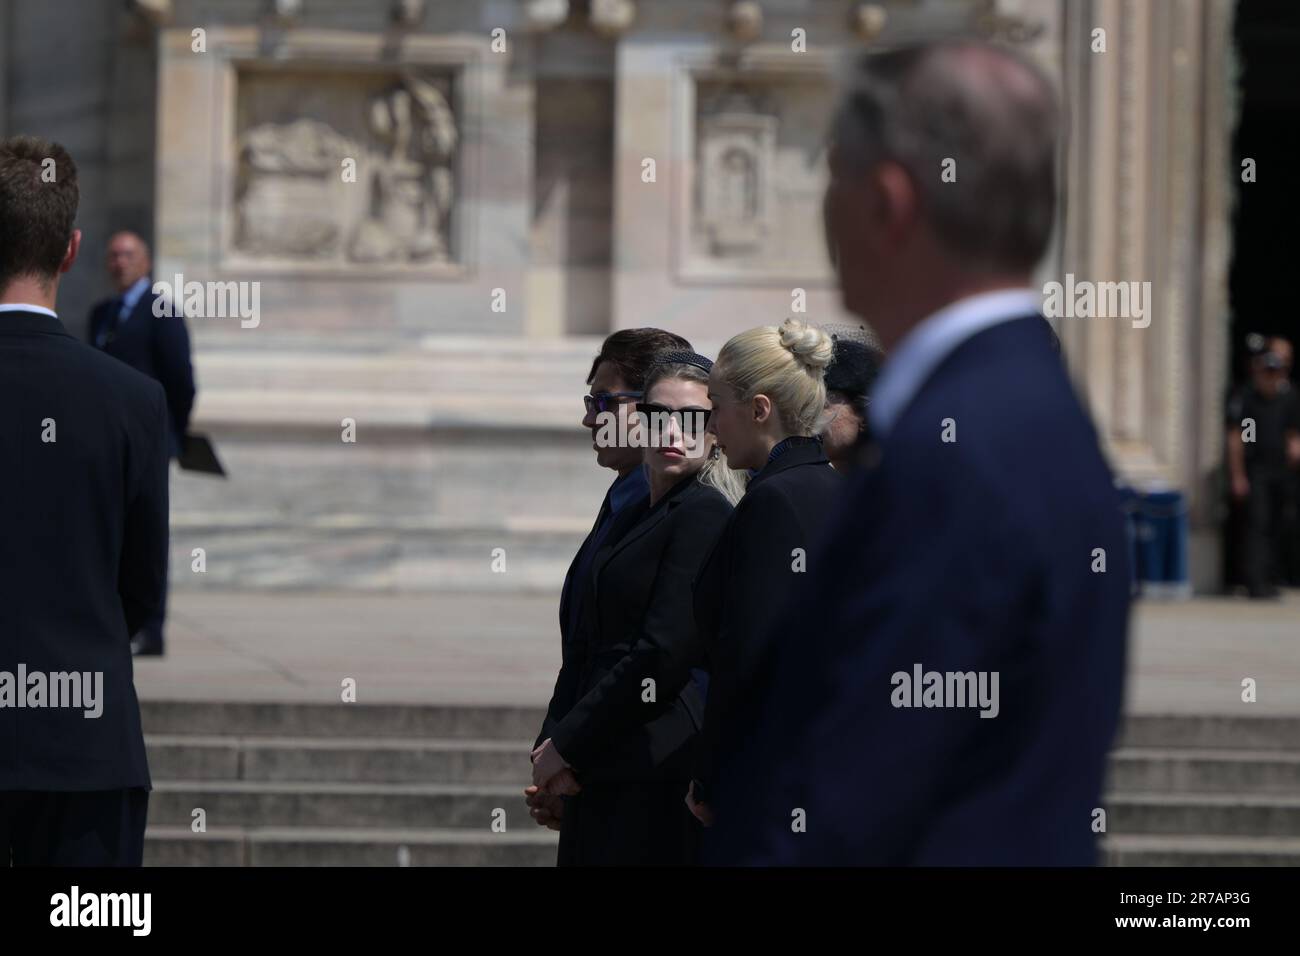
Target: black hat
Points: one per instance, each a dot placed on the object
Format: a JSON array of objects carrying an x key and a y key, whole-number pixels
[{"x": 853, "y": 367}]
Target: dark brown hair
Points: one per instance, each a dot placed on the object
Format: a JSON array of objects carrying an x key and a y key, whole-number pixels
[
  {"x": 633, "y": 351},
  {"x": 38, "y": 206}
]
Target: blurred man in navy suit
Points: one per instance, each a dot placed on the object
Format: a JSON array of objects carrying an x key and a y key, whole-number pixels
[
  {"x": 959, "y": 678},
  {"x": 151, "y": 340},
  {"x": 83, "y": 544}
]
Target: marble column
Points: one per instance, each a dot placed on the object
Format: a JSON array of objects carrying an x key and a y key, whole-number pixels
[{"x": 1146, "y": 165}]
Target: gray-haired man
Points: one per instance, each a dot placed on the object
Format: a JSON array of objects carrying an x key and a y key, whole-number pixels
[{"x": 958, "y": 682}]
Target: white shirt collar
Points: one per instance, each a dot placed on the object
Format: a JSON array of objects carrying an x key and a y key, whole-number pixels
[
  {"x": 25, "y": 307},
  {"x": 932, "y": 340},
  {"x": 132, "y": 295}
]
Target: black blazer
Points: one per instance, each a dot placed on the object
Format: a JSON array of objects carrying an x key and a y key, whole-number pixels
[
  {"x": 641, "y": 626},
  {"x": 565, "y": 693},
  {"x": 749, "y": 577},
  {"x": 158, "y": 346},
  {"x": 83, "y": 553}
]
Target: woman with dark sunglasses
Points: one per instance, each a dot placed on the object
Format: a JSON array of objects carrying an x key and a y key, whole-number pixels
[{"x": 629, "y": 738}]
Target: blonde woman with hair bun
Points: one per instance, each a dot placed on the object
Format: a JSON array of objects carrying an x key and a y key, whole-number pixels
[
  {"x": 767, "y": 385},
  {"x": 768, "y": 398}
]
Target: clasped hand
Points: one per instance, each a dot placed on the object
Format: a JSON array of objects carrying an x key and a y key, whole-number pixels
[{"x": 552, "y": 779}]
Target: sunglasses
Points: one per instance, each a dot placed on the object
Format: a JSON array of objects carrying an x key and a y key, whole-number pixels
[
  {"x": 606, "y": 401},
  {"x": 690, "y": 421}
]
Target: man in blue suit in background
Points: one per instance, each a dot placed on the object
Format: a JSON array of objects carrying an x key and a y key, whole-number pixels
[
  {"x": 958, "y": 677},
  {"x": 127, "y": 328}
]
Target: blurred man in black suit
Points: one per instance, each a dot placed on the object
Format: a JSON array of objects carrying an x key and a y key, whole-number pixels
[
  {"x": 153, "y": 341},
  {"x": 83, "y": 545},
  {"x": 1263, "y": 450}
]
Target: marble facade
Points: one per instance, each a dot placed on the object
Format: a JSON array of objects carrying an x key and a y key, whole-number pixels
[{"x": 531, "y": 174}]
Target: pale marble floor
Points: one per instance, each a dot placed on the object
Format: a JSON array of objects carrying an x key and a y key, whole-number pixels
[{"x": 502, "y": 648}]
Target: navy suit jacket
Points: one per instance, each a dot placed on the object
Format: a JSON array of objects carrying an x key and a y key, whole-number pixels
[
  {"x": 158, "y": 346},
  {"x": 573, "y": 644},
  {"x": 83, "y": 553},
  {"x": 975, "y": 555}
]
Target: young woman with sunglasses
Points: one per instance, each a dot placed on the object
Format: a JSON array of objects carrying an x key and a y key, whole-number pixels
[
  {"x": 769, "y": 403},
  {"x": 629, "y": 739}
]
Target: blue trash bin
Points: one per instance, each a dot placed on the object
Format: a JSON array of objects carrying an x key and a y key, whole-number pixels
[
  {"x": 1130, "y": 501},
  {"x": 1160, "y": 542}
]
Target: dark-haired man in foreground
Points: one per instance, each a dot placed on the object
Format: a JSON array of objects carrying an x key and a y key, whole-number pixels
[{"x": 83, "y": 544}]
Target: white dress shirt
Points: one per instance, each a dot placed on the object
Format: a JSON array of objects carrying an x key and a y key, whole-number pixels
[
  {"x": 27, "y": 307},
  {"x": 131, "y": 296}
]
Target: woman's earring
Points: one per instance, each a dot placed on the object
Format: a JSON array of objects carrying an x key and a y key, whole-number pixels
[{"x": 715, "y": 453}]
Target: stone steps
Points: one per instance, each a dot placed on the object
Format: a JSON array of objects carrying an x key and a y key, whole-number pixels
[
  {"x": 335, "y": 846},
  {"x": 1183, "y": 850},
  {"x": 243, "y": 803},
  {"x": 382, "y": 784},
  {"x": 301, "y": 784},
  {"x": 1271, "y": 732},
  {"x": 1204, "y": 814},
  {"x": 375, "y": 721},
  {"x": 317, "y": 760},
  {"x": 1135, "y": 770},
  {"x": 1204, "y": 790},
  {"x": 294, "y": 719},
  {"x": 192, "y": 757}
]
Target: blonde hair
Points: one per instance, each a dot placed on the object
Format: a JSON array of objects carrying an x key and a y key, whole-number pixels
[
  {"x": 787, "y": 364},
  {"x": 716, "y": 472}
]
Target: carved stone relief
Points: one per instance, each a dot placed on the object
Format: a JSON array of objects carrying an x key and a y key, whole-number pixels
[
  {"x": 758, "y": 172},
  {"x": 736, "y": 153},
  {"x": 361, "y": 180},
  {"x": 293, "y": 187}
]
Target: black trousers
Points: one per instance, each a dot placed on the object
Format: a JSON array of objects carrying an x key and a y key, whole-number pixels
[
  {"x": 632, "y": 824},
  {"x": 150, "y": 634},
  {"x": 1267, "y": 513},
  {"x": 73, "y": 828}
]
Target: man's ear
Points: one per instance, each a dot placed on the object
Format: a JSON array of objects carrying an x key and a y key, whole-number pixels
[
  {"x": 74, "y": 247},
  {"x": 898, "y": 206}
]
